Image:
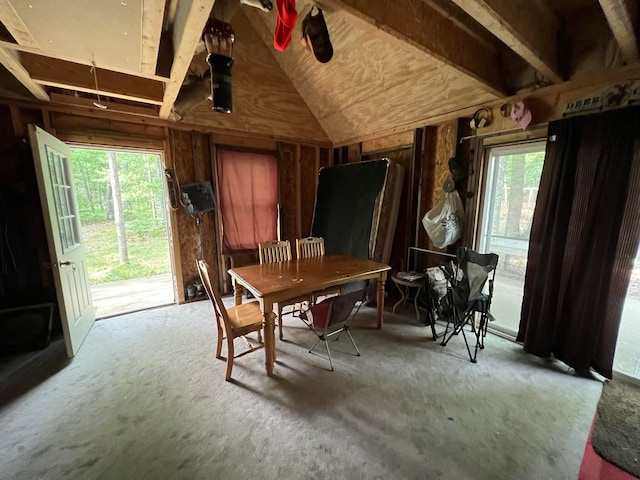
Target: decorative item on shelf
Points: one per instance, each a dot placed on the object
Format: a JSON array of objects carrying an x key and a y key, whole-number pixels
[
  {"x": 613, "y": 96},
  {"x": 521, "y": 114},
  {"x": 481, "y": 118},
  {"x": 218, "y": 38}
]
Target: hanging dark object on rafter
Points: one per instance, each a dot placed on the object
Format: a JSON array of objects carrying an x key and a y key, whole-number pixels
[{"x": 218, "y": 38}]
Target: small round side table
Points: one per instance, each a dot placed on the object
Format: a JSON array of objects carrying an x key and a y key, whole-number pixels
[{"x": 404, "y": 287}]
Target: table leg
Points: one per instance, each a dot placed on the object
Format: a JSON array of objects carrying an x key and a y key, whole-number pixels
[
  {"x": 269, "y": 337},
  {"x": 237, "y": 292},
  {"x": 380, "y": 295}
]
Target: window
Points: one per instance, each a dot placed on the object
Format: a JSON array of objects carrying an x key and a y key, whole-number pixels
[
  {"x": 248, "y": 186},
  {"x": 510, "y": 193}
]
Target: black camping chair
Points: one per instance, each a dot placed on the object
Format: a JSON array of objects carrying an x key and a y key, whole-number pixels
[
  {"x": 332, "y": 316},
  {"x": 467, "y": 297}
]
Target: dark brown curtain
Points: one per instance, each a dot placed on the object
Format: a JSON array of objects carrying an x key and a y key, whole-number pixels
[
  {"x": 584, "y": 237},
  {"x": 248, "y": 184}
]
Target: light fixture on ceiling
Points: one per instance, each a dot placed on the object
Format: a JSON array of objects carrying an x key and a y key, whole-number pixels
[{"x": 99, "y": 103}]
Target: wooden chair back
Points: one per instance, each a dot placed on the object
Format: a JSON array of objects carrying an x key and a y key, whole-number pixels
[
  {"x": 274, "y": 251},
  {"x": 309, "y": 247},
  {"x": 236, "y": 322},
  {"x": 214, "y": 296}
]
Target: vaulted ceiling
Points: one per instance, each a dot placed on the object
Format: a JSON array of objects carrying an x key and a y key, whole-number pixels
[{"x": 396, "y": 64}]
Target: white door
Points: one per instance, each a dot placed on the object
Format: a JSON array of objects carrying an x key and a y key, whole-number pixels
[{"x": 62, "y": 223}]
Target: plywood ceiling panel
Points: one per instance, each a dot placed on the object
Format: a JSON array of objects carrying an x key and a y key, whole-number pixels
[
  {"x": 264, "y": 100},
  {"x": 374, "y": 82},
  {"x": 109, "y": 30}
]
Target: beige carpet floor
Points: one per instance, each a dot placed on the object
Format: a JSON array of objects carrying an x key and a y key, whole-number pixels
[{"x": 146, "y": 399}]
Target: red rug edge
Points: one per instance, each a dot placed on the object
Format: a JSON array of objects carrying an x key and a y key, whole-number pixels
[{"x": 594, "y": 467}]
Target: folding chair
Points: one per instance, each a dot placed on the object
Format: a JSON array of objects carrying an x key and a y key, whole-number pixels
[
  {"x": 332, "y": 317},
  {"x": 466, "y": 296}
]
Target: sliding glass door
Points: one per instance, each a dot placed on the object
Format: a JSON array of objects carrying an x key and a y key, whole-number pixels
[
  {"x": 510, "y": 191},
  {"x": 627, "y": 359}
]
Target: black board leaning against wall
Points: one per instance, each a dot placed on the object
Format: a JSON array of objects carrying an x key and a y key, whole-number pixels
[{"x": 345, "y": 204}]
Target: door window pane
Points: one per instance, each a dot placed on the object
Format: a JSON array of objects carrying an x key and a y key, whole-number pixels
[
  {"x": 65, "y": 208},
  {"x": 511, "y": 189}
]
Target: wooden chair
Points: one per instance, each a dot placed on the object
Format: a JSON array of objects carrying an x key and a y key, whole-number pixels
[
  {"x": 309, "y": 247},
  {"x": 280, "y": 251},
  {"x": 314, "y": 247},
  {"x": 274, "y": 251},
  {"x": 236, "y": 321}
]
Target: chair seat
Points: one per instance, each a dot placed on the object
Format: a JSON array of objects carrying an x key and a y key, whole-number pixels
[{"x": 245, "y": 316}]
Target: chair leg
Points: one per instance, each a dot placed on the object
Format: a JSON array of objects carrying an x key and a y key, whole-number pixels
[
  {"x": 471, "y": 357},
  {"x": 280, "y": 322},
  {"x": 352, "y": 342},
  {"x": 230, "y": 354},
  {"x": 219, "y": 347},
  {"x": 329, "y": 355}
]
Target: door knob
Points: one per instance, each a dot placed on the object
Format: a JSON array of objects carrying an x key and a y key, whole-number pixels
[{"x": 64, "y": 264}]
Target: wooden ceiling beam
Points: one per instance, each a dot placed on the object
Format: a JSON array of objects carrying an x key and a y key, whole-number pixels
[
  {"x": 11, "y": 61},
  {"x": 152, "y": 16},
  {"x": 20, "y": 48},
  {"x": 532, "y": 34},
  {"x": 145, "y": 111},
  {"x": 622, "y": 16},
  {"x": 14, "y": 24},
  {"x": 420, "y": 25},
  {"x": 190, "y": 19},
  {"x": 75, "y": 76}
]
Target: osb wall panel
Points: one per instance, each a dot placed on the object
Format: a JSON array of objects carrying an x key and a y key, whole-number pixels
[
  {"x": 374, "y": 82},
  {"x": 440, "y": 146},
  {"x": 325, "y": 157},
  {"x": 264, "y": 100},
  {"x": 289, "y": 188},
  {"x": 191, "y": 159},
  {"x": 309, "y": 167},
  {"x": 389, "y": 142},
  {"x": 245, "y": 142},
  {"x": 354, "y": 153}
]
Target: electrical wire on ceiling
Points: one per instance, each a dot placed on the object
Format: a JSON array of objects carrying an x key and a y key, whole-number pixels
[{"x": 99, "y": 103}]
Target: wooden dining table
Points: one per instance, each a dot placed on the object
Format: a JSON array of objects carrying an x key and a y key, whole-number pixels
[{"x": 275, "y": 282}]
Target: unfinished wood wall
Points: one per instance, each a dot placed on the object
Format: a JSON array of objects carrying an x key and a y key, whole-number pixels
[
  {"x": 191, "y": 155},
  {"x": 402, "y": 155},
  {"x": 298, "y": 169},
  {"x": 26, "y": 277}
]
